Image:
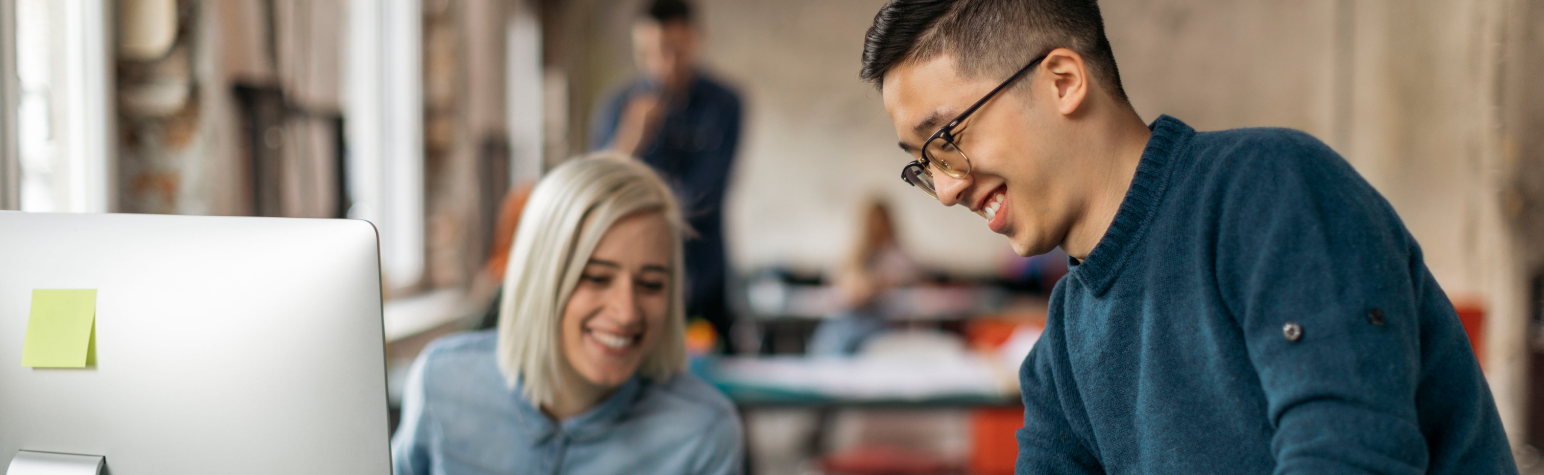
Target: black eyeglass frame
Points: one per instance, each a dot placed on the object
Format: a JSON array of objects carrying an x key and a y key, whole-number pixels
[{"x": 947, "y": 133}]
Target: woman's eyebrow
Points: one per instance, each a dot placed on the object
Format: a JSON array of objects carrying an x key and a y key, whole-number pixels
[
  {"x": 646, "y": 268},
  {"x": 598, "y": 262}
]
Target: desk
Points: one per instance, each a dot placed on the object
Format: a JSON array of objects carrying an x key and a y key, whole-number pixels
[
  {"x": 868, "y": 381},
  {"x": 825, "y": 385},
  {"x": 784, "y": 316},
  {"x": 770, "y": 299}
]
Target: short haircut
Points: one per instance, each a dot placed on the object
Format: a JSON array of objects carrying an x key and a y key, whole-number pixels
[
  {"x": 665, "y": 11},
  {"x": 990, "y": 38},
  {"x": 567, "y": 214}
]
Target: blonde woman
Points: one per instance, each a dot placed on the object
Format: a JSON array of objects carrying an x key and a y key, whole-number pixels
[{"x": 585, "y": 372}]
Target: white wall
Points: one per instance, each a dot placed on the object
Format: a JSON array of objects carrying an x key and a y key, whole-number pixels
[{"x": 817, "y": 142}]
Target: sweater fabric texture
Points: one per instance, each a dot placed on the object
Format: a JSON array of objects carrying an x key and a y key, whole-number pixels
[{"x": 1255, "y": 307}]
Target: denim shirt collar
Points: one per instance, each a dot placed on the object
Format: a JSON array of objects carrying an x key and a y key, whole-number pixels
[{"x": 587, "y": 425}]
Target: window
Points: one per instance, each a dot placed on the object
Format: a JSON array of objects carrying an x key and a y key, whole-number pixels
[
  {"x": 61, "y": 110},
  {"x": 385, "y": 132}
]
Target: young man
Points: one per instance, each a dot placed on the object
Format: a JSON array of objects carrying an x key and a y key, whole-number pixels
[
  {"x": 686, "y": 125},
  {"x": 1240, "y": 301}
]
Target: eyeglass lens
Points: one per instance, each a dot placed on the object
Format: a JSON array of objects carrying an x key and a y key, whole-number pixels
[
  {"x": 916, "y": 176},
  {"x": 942, "y": 157},
  {"x": 945, "y": 157}
]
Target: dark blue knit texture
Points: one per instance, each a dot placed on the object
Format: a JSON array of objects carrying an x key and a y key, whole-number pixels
[{"x": 1168, "y": 350}]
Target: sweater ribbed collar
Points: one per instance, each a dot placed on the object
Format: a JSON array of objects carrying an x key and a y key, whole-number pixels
[{"x": 1103, "y": 265}]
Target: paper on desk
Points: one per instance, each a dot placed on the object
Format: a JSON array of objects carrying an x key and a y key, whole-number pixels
[{"x": 61, "y": 329}]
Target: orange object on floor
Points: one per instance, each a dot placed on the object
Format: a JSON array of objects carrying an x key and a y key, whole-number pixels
[
  {"x": 700, "y": 337},
  {"x": 986, "y": 334},
  {"x": 504, "y": 230},
  {"x": 882, "y": 460},
  {"x": 1471, "y": 313},
  {"x": 993, "y": 447}
]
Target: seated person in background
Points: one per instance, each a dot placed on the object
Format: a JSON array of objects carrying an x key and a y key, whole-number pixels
[
  {"x": 874, "y": 265},
  {"x": 585, "y": 372}
]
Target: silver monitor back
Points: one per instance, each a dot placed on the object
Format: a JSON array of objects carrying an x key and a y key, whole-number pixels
[{"x": 223, "y": 345}]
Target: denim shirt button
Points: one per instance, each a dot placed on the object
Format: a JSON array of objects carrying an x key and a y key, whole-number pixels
[{"x": 1292, "y": 331}]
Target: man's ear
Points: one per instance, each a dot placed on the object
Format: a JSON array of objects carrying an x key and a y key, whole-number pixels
[{"x": 1069, "y": 74}]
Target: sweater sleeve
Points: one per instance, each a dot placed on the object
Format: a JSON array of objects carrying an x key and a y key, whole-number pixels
[
  {"x": 604, "y": 119},
  {"x": 1320, "y": 275},
  {"x": 1047, "y": 442}
]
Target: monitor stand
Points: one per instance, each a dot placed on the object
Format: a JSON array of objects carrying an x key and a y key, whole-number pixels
[{"x": 28, "y": 462}]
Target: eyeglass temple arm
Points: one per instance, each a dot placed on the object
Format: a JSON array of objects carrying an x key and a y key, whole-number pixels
[{"x": 1000, "y": 87}]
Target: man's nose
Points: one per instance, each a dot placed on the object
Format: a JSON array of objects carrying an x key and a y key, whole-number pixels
[{"x": 950, "y": 189}]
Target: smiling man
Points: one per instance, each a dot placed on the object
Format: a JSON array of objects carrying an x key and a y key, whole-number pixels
[{"x": 1239, "y": 302}]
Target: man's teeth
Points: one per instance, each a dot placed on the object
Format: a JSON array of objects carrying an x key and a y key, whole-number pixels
[
  {"x": 611, "y": 340},
  {"x": 991, "y": 206}
]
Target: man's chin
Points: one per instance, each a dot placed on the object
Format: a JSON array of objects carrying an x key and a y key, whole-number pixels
[
  {"x": 1020, "y": 248},
  {"x": 1024, "y": 248}
]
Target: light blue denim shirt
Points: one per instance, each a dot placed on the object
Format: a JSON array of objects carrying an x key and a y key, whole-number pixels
[{"x": 460, "y": 417}]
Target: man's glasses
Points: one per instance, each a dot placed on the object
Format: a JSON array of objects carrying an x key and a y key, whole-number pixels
[{"x": 941, "y": 153}]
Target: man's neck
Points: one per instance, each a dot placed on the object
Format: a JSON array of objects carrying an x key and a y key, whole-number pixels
[
  {"x": 1117, "y": 152},
  {"x": 680, "y": 87}
]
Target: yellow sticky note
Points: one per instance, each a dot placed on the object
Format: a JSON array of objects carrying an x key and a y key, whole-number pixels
[{"x": 61, "y": 331}]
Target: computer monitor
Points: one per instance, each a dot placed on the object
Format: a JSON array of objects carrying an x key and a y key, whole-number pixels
[{"x": 222, "y": 345}]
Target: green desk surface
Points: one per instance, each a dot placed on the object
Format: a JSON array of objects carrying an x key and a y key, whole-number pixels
[{"x": 750, "y": 391}]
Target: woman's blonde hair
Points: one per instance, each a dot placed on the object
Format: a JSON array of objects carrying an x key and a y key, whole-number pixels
[{"x": 567, "y": 214}]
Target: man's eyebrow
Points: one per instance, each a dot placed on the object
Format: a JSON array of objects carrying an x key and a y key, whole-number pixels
[
  {"x": 925, "y": 128},
  {"x": 929, "y": 124}
]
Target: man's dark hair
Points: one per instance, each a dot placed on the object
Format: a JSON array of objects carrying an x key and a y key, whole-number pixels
[
  {"x": 665, "y": 11},
  {"x": 988, "y": 37}
]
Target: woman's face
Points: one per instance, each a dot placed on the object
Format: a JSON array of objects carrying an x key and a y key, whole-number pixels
[{"x": 617, "y": 310}]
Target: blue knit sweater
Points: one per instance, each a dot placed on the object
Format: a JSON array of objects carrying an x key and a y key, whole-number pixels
[{"x": 1254, "y": 307}]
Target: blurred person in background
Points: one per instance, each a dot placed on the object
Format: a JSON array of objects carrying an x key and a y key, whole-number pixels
[
  {"x": 1240, "y": 301},
  {"x": 586, "y": 370},
  {"x": 875, "y": 264},
  {"x": 686, "y": 125}
]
